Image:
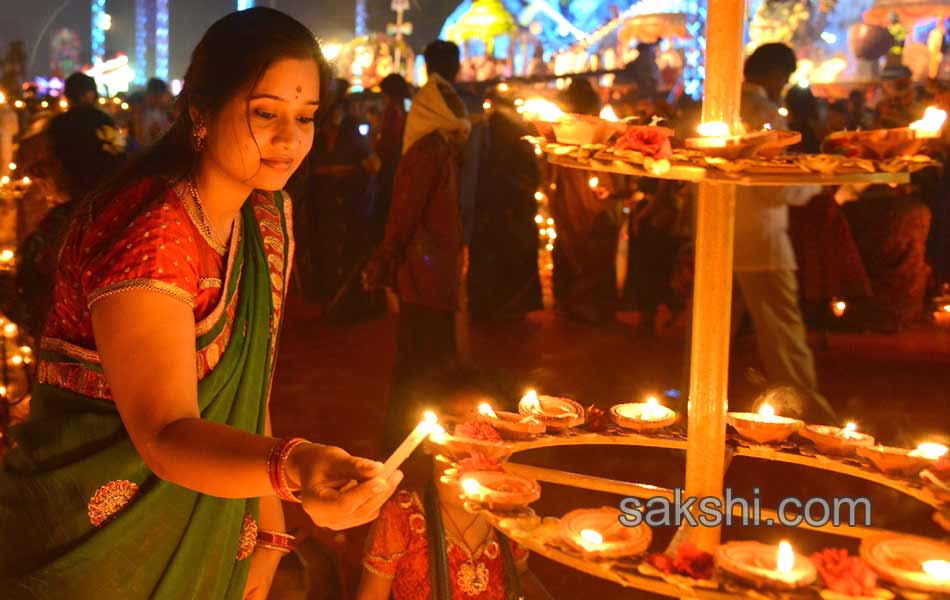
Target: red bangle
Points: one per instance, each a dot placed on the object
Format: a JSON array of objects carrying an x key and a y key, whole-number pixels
[
  {"x": 277, "y": 468},
  {"x": 275, "y": 540}
]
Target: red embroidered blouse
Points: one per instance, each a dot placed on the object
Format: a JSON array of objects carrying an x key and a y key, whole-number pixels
[
  {"x": 162, "y": 248},
  {"x": 398, "y": 549}
]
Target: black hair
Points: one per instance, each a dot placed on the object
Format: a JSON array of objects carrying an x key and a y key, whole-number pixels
[
  {"x": 770, "y": 58},
  {"x": 581, "y": 98},
  {"x": 444, "y": 58},
  {"x": 77, "y": 86},
  {"x": 801, "y": 103},
  {"x": 395, "y": 86},
  {"x": 156, "y": 86},
  {"x": 234, "y": 53}
]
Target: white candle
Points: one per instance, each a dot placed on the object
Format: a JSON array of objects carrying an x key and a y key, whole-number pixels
[{"x": 425, "y": 427}]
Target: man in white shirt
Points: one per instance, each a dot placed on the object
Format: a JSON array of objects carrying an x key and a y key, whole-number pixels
[{"x": 764, "y": 259}]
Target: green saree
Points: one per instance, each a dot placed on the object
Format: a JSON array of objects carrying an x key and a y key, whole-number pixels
[{"x": 81, "y": 515}]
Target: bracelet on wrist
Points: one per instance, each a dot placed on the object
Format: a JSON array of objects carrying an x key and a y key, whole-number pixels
[
  {"x": 277, "y": 468},
  {"x": 275, "y": 540}
]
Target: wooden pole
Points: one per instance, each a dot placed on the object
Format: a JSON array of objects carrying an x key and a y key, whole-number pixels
[{"x": 712, "y": 296}]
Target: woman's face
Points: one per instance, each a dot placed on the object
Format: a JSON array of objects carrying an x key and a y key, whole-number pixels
[{"x": 260, "y": 136}]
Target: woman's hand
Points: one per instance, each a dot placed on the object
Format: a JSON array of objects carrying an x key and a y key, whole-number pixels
[
  {"x": 338, "y": 490},
  {"x": 260, "y": 577}
]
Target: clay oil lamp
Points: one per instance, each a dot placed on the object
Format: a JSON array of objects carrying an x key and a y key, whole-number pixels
[
  {"x": 837, "y": 441},
  {"x": 643, "y": 416},
  {"x": 511, "y": 426},
  {"x": 764, "y": 426},
  {"x": 598, "y": 533},
  {"x": 766, "y": 566},
  {"x": 557, "y": 414}
]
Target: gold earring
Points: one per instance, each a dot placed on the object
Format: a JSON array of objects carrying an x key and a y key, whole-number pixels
[{"x": 199, "y": 133}]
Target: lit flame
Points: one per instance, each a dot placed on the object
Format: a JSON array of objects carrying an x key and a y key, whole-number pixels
[
  {"x": 653, "y": 410},
  {"x": 430, "y": 417},
  {"x": 539, "y": 109},
  {"x": 539, "y": 196},
  {"x": 503, "y": 87},
  {"x": 931, "y": 124},
  {"x": 3, "y": 390},
  {"x": 593, "y": 182},
  {"x": 938, "y": 569},
  {"x": 3, "y": 98},
  {"x": 782, "y": 111},
  {"x": 713, "y": 129},
  {"x": 12, "y": 166},
  {"x": 102, "y": 100},
  {"x": 9, "y": 329},
  {"x": 437, "y": 434},
  {"x": 608, "y": 114},
  {"x": 485, "y": 409},
  {"x": 471, "y": 487},
  {"x": 785, "y": 561},
  {"x": 530, "y": 401},
  {"x": 839, "y": 307},
  {"x": 19, "y": 104},
  {"x": 538, "y": 219},
  {"x": 519, "y": 101},
  {"x": 591, "y": 538},
  {"x": 486, "y": 105},
  {"x": 63, "y": 104},
  {"x": 766, "y": 410},
  {"x": 946, "y": 308},
  {"x": 929, "y": 450},
  {"x": 17, "y": 360},
  {"x": 4, "y": 180},
  {"x": 44, "y": 104}
]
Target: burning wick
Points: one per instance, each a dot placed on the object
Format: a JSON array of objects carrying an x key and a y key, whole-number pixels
[
  {"x": 766, "y": 412},
  {"x": 428, "y": 425},
  {"x": 785, "y": 560},
  {"x": 849, "y": 432},
  {"x": 938, "y": 569},
  {"x": 931, "y": 124},
  {"x": 713, "y": 129},
  {"x": 591, "y": 539},
  {"x": 653, "y": 409},
  {"x": 485, "y": 409},
  {"x": 472, "y": 488},
  {"x": 838, "y": 307},
  {"x": 608, "y": 114},
  {"x": 531, "y": 402},
  {"x": 929, "y": 450},
  {"x": 593, "y": 182},
  {"x": 538, "y": 109}
]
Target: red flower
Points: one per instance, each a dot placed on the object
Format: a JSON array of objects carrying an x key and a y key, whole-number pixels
[
  {"x": 689, "y": 561},
  {"x": 843, "y": 573},
  {"x": 479, "y": 462},
  {"x": 477, "y": 431},
  {"x": 649, "y": 141},
  {"x": 596, "y": 419}
]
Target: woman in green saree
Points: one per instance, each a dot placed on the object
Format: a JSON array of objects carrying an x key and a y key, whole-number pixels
[{"x": 147, "y": 468}]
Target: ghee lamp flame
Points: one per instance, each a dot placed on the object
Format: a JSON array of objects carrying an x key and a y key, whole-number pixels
[
  {"x": 486, "y": 105},
  {"x": 17, "y": 360},
  {"x": 503, "y": 87},
  {"x": 930, "y": 450},
  {"x": 19, "y": 104},
  {"x": 713, "y": 129},
  {"x": 471, "y": 487},
  {"x": 6, "y": 256},
  {"x": 538, "y": 151},
  {"x": 785, "y": 560},
  {"x": 26, "y": 181},
  {"x": 9, "y": 330},
  {"x": 4, "y": 180},
  {"x": 783, "y": 111},
  {"x": 539, "y": 196},
  {"x": 539, "y": 219},
  {"x": 430, "y": 417},
  {"x": 931, "y": 124},
  {"x": 593, "y": 182},
  {"x": 608, "y": 114},
  {"x": 531, "y": 401},
  {"x": 945, "y": 308},
  {"x": 12, "y": 166},
  {"x": 839, "y": 307},
  {"x": 3, "y": 390},
  {"x": 63, "y": 104},
  {"x": 485, "y": 409},
  {"x": 591, "y": 539},
  {"x": 938, "y": 569},
  {"x": 540, "y": 109},
  {"x": 766, "y": 410}
]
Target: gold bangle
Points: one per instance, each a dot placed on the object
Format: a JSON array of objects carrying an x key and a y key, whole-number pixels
[{"x": 274, "y": 547}]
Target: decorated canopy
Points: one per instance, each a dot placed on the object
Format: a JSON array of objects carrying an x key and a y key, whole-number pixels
[{"x": 484, "y": 21}]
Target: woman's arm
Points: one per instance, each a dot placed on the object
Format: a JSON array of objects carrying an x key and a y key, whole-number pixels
[
  {"x": 373, "y": 586},
  {"x": 146, "y": 341}
]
